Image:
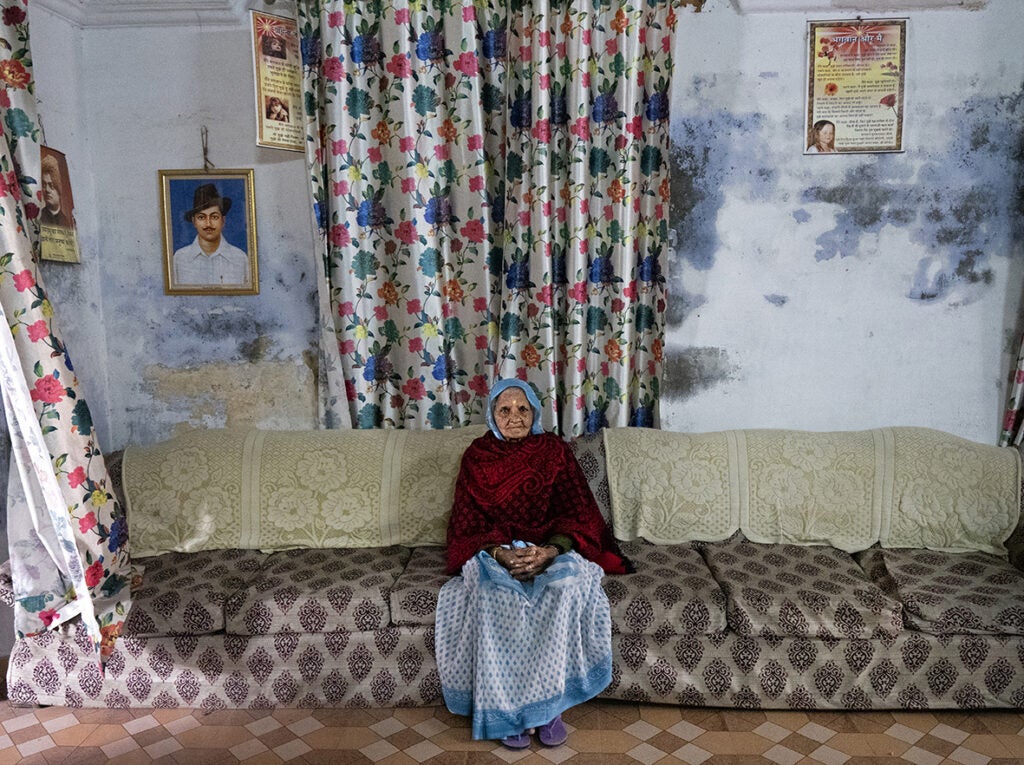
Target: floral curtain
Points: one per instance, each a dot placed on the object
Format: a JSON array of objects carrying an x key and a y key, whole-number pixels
[
  {"x": 491, "y": 187},
  {"x": 1012, "y": 433},
  {"x": 67, "y": 533}
]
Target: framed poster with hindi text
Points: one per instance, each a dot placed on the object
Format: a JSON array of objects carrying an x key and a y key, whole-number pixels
[
  {"x": 58, "y": 234},
  {"x": 855, "y": 76},
  {"x": 209, "y": 231},
  {"x": 277, "y": 66}
]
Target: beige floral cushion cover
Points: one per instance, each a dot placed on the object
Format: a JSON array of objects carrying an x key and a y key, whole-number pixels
[
  {"x": 279, "y": 490},
  {"x": 898, "y": 487}
]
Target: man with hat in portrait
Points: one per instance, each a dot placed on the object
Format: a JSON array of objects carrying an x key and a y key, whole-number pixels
[{"x": 209, "y": 259}]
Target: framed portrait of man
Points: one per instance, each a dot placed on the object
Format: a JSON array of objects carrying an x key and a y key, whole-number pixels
[{"x": 209, "y": 229}]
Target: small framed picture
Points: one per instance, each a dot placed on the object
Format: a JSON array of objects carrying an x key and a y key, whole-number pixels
[
  {"x": 58, "y": 238},
  {"x": 209, "y": 226}
]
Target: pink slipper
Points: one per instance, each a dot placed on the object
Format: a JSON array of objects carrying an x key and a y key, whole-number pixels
[
  {"x": 518, "y": 741},
  {"x": 554, "y": 733}
]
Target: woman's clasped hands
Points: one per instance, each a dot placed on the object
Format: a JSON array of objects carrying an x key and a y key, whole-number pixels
[{"x": 524, "y": 563}]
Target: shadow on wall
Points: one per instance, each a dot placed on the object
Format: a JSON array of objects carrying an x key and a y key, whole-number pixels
[{"x": 697, "y": 369}]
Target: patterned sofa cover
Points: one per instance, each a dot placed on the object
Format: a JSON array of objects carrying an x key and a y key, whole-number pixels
[{"x": 748, "y": 592}]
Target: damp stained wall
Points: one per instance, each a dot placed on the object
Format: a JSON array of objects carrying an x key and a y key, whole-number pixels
[
  {"x": 853, "y": 291},
  {"x": 805, "y": 292},
  {"x": 153, "y": 364}
]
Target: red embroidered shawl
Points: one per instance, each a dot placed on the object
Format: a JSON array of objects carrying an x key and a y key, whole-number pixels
[{"x": 530, "y": 490}]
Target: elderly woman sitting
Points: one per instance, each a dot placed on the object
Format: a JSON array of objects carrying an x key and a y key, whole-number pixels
[{"x": 524, "y": 633}]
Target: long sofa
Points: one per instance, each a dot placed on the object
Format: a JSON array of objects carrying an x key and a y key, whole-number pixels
[{"x": 774, "y": 569}]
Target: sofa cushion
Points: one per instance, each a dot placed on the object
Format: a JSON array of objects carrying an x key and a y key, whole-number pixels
[
  {"x": 414, "y": 596},
  {"x": 280, "y": 490},
  {"x": 951, "y": 593},
  {"x": 184, "y": 593},
  {"x": 900, "y": 487},
  {"x": 311, "y": 591},
  {"x": 800, "y": 591},
  {"x": 671, "y": 593}
]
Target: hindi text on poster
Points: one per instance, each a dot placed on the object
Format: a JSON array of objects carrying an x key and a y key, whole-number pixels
[
  {"x": 855, "y": 86},
  {"x": 278, "y": 66}
]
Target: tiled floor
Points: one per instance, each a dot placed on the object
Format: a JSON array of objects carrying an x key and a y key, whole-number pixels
[{"x": 602, "y": 732}]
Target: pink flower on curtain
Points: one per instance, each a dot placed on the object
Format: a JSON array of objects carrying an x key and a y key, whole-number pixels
[
  {"x": 478, "y": 384},
  {"x": 333, "y": 69},
  {"x": 13, "y": 16},
  {"x": 414, "y": 389},
  {"x": 94, "y": 573},
  {"x": 399, "y": 65},
  {"x": 48, "y": 390},
  {"x": 474, "y": 231},
  {"x": 339, "y": 235},
  {"x": 467, "y": 64},
  {"x": 406, "y": 232},
  {"x": 87, "y": 522},
  {"x": 38, "y": 330},
  {"x": 24, "y": 280},
  {"x": 76, "y": 478}
]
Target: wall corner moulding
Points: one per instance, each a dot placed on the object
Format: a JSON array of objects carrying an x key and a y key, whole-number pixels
[
  {"x": 854, "y": 6},
  {"x": 141, "y": 13}
]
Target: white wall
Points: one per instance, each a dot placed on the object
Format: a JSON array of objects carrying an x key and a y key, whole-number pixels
[{"x": 852, "y": 291}]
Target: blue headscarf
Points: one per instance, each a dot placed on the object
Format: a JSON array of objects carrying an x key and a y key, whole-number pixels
[{"x": 500, "y": 387}]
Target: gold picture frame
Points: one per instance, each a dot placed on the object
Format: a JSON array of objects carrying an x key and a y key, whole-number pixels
[{"x": 209, "y": 232}]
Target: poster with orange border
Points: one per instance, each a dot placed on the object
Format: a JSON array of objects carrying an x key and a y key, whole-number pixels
[
  {"x": 277, "y": 63},
  {"x": 856, "y": 71}
]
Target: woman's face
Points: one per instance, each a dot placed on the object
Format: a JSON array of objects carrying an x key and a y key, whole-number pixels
[
  {"x": 513, "y": 414},
  {"x": 826, "y": 135}
]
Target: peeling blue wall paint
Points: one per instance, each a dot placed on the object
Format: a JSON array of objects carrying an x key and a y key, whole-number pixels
[
  {"x": 959, "y": 222},
  {"x": 701, "y": 172},
  {"x": 708, "y": 154},
  {"x": 836, "y": 285}
]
